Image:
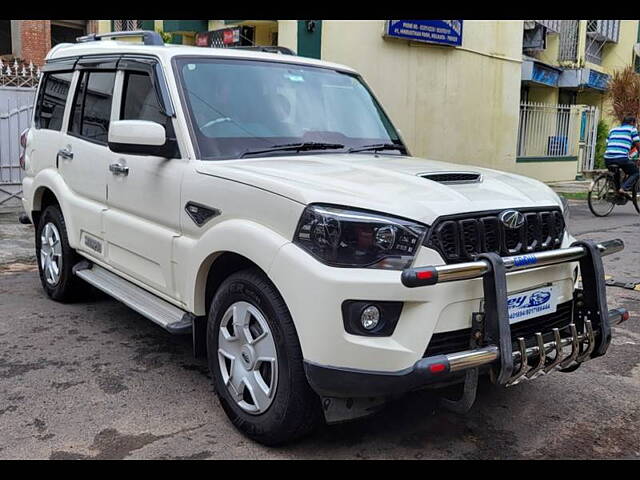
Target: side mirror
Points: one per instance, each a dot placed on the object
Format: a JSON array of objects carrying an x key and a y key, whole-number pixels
[{"x": 141, "y": 137}]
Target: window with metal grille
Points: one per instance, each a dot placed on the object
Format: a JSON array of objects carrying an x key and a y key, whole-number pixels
[
  {"x": 604, "y": 30},
  {"x": 568, "y": 41},
  {"x": 126, "y": 25},
  {"x": 593, "y": 50}
]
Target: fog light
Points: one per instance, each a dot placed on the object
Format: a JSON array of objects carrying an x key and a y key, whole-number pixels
[{"x": 370, "y": 317}]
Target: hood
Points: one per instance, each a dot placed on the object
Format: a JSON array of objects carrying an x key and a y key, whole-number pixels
[{"x": 383, "y": 183}]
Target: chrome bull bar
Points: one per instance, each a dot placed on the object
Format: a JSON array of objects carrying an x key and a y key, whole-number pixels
[
  {"x": 422, "y": 276},
  {"x": 588, "y": 336}
]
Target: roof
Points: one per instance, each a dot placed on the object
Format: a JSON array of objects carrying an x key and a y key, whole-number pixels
[{"x": 166, "y": 52}]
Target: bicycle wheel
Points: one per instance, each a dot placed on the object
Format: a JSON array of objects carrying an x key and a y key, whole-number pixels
[
  {"x": 601, "y": 196},
  {"x": 635, "y": 192}
]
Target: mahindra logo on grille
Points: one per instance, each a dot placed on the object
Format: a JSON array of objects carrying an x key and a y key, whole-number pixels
[{"x": 512, "y": 219}]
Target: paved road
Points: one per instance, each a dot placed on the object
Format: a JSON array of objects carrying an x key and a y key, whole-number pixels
[{"x": 96, "y": 380}]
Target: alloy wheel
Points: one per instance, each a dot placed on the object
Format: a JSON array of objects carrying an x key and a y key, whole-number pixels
[
  {"x": 51, "y": 253},
  {"x": 247, "y": 357}
]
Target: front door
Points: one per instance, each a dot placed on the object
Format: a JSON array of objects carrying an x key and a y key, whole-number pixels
[{"x": 143, "y": 198}]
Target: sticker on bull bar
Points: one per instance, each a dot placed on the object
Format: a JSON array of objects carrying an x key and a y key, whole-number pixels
[{"x": 532, "y": 303}]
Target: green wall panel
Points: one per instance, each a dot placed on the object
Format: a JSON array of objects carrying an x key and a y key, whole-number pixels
[
  {"x": 309, "y": 43},
  {"x": 186, "y": 25}
]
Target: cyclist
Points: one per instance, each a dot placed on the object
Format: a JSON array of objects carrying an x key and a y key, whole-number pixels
[{"x": 619, "y": 144}]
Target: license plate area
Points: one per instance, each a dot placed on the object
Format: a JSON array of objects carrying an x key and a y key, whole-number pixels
[{"x": 532, "y": 303}]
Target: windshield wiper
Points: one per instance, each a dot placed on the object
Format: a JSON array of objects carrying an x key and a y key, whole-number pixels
[
  {"x": 297, "y": 147},
  {"x": 379, "y": 146}
]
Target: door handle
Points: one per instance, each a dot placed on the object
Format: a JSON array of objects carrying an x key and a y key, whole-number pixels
[
  {"x": 66, "y": 153},
  {"x": 119, "y": 169}
]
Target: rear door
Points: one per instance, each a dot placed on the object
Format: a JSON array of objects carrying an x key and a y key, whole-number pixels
[
  {"x": 53, "y": 94},
  {"x": 143, "y": 215},
  {"x": 84, "y": 155}
]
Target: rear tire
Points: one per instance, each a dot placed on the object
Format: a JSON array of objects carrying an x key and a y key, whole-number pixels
[
  {"x": 247, "y": 311},
  {"x": 56, "y": 258},
  {"x": 597, "y": 200}
]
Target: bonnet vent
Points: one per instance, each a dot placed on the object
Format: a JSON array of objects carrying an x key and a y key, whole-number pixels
[{"x": 453, "y": 177}]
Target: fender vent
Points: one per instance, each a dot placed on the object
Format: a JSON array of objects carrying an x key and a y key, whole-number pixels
[{"x": 453, "y": 178}]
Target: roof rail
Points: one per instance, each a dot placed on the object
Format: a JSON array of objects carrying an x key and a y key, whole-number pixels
[
  {"x": 265, "y": 48},
  {"x": 149, "y": 37}
]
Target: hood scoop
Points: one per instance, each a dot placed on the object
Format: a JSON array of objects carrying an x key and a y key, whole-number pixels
[{"x": 453, "y": 178}]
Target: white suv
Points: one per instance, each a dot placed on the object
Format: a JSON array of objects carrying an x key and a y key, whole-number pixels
[{"x": 265, "y": 203}]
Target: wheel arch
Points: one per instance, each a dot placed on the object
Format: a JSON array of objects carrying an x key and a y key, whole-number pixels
[
  {"x": 214, "y": 270},
  {"x": 42, "y": 198},
  {"x": 219, "y": 266}
]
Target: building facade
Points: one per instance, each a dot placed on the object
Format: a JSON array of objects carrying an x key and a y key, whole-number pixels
[
  {"x": 30, "y": 40},
  {"x": 566, "y": 67}
]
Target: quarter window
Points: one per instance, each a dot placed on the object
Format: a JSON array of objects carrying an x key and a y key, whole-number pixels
[
  {"x": 52, "y": 100},
  {"x": 92, "y": 106}
]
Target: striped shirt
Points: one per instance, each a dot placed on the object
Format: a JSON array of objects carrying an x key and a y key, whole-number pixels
[{"x": 620, "y": 141}]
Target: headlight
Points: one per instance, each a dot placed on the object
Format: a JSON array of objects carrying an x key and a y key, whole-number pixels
[{"x": 356, "y": 238}]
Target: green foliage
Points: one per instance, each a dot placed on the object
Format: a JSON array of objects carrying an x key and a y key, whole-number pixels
[
  {"x": 166, "y": 36},
  {"x": 601, "y": 144},
  {"x": 574, "y": 195}
]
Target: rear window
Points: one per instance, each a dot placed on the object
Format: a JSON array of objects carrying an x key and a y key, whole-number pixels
[
  {"x": 91, "y": 112},
  {"x": 52, "y": 100}
]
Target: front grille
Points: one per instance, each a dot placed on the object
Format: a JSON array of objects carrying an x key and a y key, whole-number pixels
[
  {"x": 458, "y": 340},
  {"x": 458, "y": 238}
]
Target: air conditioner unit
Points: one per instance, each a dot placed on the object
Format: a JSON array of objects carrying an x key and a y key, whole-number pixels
[{"x": 535, "y": 38}]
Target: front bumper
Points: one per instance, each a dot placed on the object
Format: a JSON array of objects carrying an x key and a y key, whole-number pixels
[{"x": 491, "y": 342}]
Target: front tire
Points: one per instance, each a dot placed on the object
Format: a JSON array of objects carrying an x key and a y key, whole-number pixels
[
  {"x": 255, "y": 361},
  {"x": 56, "y": 258}
]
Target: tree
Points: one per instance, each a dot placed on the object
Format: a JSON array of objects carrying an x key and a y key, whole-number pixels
[{"x": 623, "y": 93}]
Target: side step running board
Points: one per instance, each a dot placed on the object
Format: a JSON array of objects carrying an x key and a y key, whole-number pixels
[{"x": 168, "y": 316}]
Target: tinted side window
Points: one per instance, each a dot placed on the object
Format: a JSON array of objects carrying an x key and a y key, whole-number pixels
[
  {"x": 96, "y": 109},
  {"x": 92, "y": 106},
  {"x": 75, "y": 125},
  {"x": 52, "y": 100},
  {"x": 139, "y": 99}
]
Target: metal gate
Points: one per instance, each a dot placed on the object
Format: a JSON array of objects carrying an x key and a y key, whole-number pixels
[
  {"x": 559, "y": 132},
  {"x": 16, "y": 107},
  {"x": 588, "y": 136}
]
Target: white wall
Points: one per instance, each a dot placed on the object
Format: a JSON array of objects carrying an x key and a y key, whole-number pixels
[{"x": 453, "y": 104}]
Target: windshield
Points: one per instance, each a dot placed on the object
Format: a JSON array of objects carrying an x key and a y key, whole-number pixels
[{"x": 243, "y": 107}]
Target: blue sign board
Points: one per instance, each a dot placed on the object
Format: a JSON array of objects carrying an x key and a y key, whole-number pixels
[
  {"x": 544, "y": 75},
  {"x": 444, "y": 32},
  {"x": 597, "y": 80}
]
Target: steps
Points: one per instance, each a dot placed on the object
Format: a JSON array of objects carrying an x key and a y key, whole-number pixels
[{"x": 161, "y": 312}]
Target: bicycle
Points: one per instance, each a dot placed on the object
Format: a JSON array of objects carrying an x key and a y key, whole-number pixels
[{"x": 603, "y": 194}]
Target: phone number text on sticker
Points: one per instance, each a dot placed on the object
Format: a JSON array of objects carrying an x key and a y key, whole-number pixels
[{"x": 525, "y": 305}]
